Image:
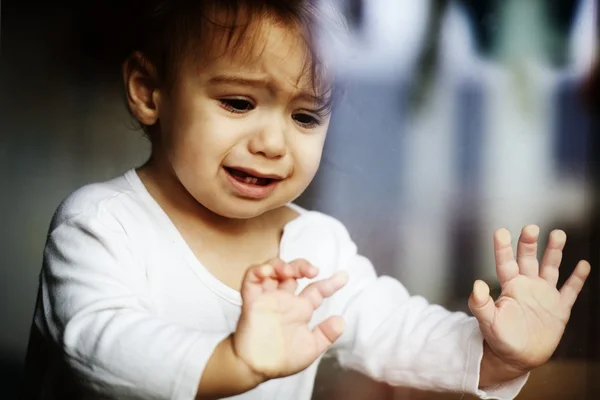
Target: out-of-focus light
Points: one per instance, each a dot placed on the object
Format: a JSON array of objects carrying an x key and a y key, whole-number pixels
[{"x": 387, "y": 41}]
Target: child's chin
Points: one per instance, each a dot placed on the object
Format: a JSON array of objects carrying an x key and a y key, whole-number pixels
[{"x": 244, "y": 210}]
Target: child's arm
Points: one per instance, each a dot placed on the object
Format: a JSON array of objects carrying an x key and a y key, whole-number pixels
[
  {"x": 405, "y": 341},
  {"x": 96, "y": 308},
  {"x": 402, "y": 339}
]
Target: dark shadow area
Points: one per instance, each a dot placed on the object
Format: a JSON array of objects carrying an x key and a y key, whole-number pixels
[{"x": 11, "y": 376}]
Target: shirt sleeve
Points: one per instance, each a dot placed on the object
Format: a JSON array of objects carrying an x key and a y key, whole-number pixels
[
  {"x": 95, "y": 308},
  {"x": 403, "y": 340}
]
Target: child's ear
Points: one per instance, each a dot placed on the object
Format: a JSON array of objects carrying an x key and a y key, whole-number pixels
[{"x": 142, "y": 89}]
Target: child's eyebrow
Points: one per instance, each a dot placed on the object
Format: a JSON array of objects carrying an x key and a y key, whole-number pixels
[
  {"x": 262, "y": 83},
  {"x": 240, "y": 80}
]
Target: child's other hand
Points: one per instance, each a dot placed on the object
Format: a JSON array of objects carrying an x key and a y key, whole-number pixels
[
  {"x": 524, "y": 326},
  {"x": 273, "y": 337}
]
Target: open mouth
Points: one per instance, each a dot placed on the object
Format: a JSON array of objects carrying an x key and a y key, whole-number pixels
[{"x": 249, "y": 179}]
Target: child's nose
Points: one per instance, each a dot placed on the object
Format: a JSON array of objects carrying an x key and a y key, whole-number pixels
[{"x": 270, "y": 141}]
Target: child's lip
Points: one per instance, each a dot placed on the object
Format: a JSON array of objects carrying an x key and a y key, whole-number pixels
[
  {"x": 258, "y": 174},
  {"x": 249, "y": 190}
]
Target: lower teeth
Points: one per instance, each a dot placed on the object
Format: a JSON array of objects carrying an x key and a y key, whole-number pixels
[{"x": 250, "y": 180}]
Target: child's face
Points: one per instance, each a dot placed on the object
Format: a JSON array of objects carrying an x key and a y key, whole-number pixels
[{"x": 234, "y": 116}]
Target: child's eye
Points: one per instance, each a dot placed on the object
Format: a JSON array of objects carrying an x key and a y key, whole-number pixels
[
  {"x": 306, "y": 120},
  {"x": 237, "y": 105}
]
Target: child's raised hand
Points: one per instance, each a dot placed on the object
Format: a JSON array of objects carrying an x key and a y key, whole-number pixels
[
  {"x": 524, "y": 326},
  {"x": 273, "y": 337}
]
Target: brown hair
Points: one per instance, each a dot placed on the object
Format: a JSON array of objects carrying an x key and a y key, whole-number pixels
[{"x": 167, "y": 32}]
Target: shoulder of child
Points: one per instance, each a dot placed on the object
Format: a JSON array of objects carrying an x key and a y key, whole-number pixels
[
  {"x": 318, "y": 221},
  {"x": 90, "y": 201},
  {"x": 318, "y": 237}
]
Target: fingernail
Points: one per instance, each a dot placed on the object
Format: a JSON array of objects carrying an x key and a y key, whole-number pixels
[
  {"x": 266, "y": 269},
  {"x": 343, "y": 276},
  {"x": 503, "y": 236},
  {"x": 559, "y": 235},
  {"x": 533, "y": 229}
]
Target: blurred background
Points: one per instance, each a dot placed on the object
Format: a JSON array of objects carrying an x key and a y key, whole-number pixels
[{"x": 460, "y": 117}]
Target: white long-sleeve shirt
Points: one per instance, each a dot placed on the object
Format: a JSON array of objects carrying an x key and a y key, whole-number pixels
[{"x": 126, "y": 311}]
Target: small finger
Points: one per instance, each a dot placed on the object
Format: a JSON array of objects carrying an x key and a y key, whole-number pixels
[
  {"x": 285, "y": 275},
  {"x": 253, "y": 282},
  {"x": 285, "y": 271},
  {"x": 301, "y": 269},
  {"x": 267, "y": 276},
  {"x": 269, "y": 268},
  {"x": 257, "y": 273},
  {"x": 317, "y": 291},
  {"x": 481, "y": 303},
  {"x": 266, "y": 271},
  {"x": 572, "y": 287},
  {"x": 304, "y": 269},
  {"x": 290, "y": 285},
  {"x": 290, "y": 273},
  {"x": 506, "y": 265},
  {"x": 553, "y": 256},
  {"x": 527, "y": 251}
]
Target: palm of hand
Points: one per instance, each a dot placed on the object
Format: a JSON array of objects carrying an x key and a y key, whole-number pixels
[
  {"x": 273, "y": 336},
  {"x": 279, "y": 339},
  {"x": 525, "y": 324},
  {"x": 529, "y": 321}
]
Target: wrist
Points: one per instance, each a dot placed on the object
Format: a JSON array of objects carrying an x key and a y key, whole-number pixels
[
  {"x": 226, "y": 374},
  {"x": 494, "y": 371},
  {"x": 252, "y": 376}
]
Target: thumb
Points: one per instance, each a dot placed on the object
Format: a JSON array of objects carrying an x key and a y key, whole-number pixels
[
  {"x": 327, "y": 332},
  {"x": 481, "y": 303}
]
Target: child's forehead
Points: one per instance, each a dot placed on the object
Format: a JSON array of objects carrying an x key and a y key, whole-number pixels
[{"x": 264, "y": 47}]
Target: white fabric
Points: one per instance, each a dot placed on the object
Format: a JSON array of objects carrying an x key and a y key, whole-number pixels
[{"x": 127, "y": 305}]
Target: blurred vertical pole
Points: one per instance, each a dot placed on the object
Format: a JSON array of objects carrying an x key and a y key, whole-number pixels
[
  {"x": 561, "y": 16},
  {"x": 483, "y": 18},
  {"x": 573, "y": 140},
  {"x": 591, "y": 93},
  {"x": 464, "y": 227},
  {"x": 428, "y": 59}
]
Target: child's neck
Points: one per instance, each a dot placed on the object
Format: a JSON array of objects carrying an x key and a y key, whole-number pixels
[{"x": 188, "y": 214}]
